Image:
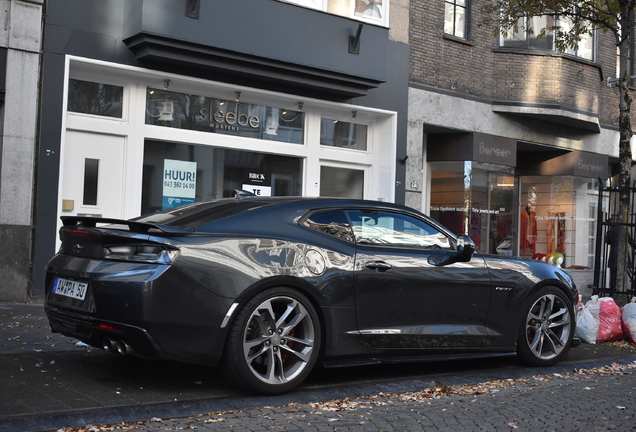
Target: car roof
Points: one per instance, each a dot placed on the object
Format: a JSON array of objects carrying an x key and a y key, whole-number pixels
[{"x": 204, "y": 212}]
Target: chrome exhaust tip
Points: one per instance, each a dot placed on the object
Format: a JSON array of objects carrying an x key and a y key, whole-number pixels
[
  {"x": 108, "y": 344},
  {"x": 123, "y": 348}
]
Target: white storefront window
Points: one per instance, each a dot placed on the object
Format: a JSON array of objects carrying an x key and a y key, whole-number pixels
[{"x": 228, "y": 137}]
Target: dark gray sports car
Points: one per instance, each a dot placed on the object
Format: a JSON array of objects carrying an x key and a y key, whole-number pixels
[{"x": 266, "y": 287}]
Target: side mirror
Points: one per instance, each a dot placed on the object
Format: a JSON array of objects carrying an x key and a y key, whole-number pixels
[{"x": 465, "y": 247}]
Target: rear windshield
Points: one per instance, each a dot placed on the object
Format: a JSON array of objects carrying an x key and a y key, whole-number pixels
[{"x": 195, "y": 214}]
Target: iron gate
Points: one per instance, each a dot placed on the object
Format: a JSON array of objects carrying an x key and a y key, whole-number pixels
[{"x": 606, "y": 265}]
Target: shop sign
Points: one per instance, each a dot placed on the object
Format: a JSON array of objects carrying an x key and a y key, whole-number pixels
[
  {"x": 228, "y": 119},
  {"x": 200, "y": 113},
  {"x": 591, "y": 165},
  {"x": 476, "y": 147},
  {"x": 494, "y": 149},
  {"x": 576, "y": 163},
  {"x": 257, "y": 182},
  {"x": 179, "y": 183}
]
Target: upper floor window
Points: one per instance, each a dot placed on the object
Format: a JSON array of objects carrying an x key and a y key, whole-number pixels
[
  {"x": 528, "y": 36},
  {"x": 455, "y": 18},
  {"x": 372, "y": 11},
  {"x": 585, "y": 47}
]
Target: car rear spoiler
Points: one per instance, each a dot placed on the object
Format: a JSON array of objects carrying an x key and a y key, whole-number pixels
[{"x": 139, "y": 227}]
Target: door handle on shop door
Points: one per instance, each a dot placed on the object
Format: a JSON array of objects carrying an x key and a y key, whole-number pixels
[{"x": 379, "y": 266}]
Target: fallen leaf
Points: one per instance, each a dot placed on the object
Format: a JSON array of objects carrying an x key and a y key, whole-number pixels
[{"x": 214, "y": 420}]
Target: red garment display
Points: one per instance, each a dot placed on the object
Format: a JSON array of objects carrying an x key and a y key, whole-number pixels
[
  {"x": 561, "y": 236},
  {"x": 550, "y": 235},
  {"x": 528, "y": 231}
]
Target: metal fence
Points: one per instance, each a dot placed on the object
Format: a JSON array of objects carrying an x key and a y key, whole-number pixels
[{"x": 606, "y": 264}]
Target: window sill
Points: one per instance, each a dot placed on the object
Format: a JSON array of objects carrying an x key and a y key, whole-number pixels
[
  {"x": 458, "y": 40},
  {"x": 537, "y": 52}
]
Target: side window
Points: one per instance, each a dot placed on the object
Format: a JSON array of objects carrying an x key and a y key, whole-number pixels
[
  {"x": 395, "y": 229},
  {"x": 331, "y": 222}
]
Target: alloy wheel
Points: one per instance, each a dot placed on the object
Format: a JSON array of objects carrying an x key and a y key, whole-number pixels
[
  {"x": 548, "y": 327},
  {"x": 279, "y": 340}
]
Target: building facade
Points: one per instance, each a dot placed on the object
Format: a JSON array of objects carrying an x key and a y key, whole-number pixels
[
  {"x": 117, "y": 108},
  {"x": 507, "y": 137},
  {"x": 148, "y": 104}
]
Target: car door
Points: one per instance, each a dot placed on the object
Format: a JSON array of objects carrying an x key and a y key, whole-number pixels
[{"x": 405, "y": 296}]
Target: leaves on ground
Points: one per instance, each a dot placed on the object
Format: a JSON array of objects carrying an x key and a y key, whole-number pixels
[{"x": 437, "y": 391}]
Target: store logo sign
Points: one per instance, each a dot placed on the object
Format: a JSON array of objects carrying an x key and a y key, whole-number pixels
[
  {"x": 199, "y": 113},
  {"x": 256, "y": 177},
  {"x": 229, "y": 120},
  {"x": 583, "y": 166},
  {"x": 589, "y": 164},
  {"x": 495, "y": 152}
]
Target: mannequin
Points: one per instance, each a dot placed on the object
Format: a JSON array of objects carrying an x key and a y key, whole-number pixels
[{"x": 528, "y": 230}]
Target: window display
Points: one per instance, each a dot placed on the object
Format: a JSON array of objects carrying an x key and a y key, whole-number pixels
[
  {"x": 549, "y": 218},
  {"x": 560, "y": 221},
  {"x": 476, "y": 199},
  {"x": 175, "y": 173}
]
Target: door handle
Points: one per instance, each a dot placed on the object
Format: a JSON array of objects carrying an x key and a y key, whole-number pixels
[{"x": 379, "y": 266}]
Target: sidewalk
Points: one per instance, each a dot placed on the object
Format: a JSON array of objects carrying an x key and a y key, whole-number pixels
[{"x": 47, "y": 381}]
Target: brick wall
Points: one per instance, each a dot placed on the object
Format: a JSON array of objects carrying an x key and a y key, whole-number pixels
[
  {"x": 476, "y": 67},
  {"x": 546, "y": 80},
  {"x": 441, "y": 61}
]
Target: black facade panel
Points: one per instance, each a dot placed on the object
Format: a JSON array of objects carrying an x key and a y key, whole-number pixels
[
  {"x": 48, "y": 166},
  {"x": 268, "y": 29}
]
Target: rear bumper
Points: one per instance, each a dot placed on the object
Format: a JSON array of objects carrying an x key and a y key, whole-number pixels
[
  {"x": 155, "y": 309},
  {"x": 96, "y": 332}
]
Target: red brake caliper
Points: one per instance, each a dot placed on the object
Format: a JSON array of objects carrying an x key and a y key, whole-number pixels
[{"x": 285, "y": 355}]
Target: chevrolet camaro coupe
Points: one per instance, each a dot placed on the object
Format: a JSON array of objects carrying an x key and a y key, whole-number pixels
[{"x": 265, "y": 288}]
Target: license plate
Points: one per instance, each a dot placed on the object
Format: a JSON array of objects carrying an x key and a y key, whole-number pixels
[{"x": 70, "y": 288}]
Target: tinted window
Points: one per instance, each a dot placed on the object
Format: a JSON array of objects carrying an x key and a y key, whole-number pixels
[
  {"x": 95, "y": 98},
  {"x": 192, "y": 215},
  {"x": 343, "y": 134},
  {"x": 332, "y": 222},
  {"x": 395, "y": 229},
  {"x": 341, "y": 182}
]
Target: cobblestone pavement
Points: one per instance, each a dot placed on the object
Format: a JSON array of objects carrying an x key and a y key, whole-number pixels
[{"x": 600, "y": 399}]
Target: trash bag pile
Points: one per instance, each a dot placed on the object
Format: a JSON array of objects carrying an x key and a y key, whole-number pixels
[{"x": 601, "y": 320}]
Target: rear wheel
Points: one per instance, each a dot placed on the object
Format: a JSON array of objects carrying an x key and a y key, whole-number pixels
[
  {"x": 547, "y": 329},
  {"x": 273, "y": 342}
]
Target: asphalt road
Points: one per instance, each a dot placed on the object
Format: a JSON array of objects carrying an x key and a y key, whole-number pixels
[{"x": 48, "y": 382}]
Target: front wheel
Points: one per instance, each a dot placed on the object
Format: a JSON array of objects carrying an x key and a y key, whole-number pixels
[
  {"x": 546, "y": 332},
  {"x": 273, "y": 342}
]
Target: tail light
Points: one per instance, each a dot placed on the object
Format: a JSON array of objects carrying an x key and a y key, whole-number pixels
[{"x": 142, "y": 253}]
